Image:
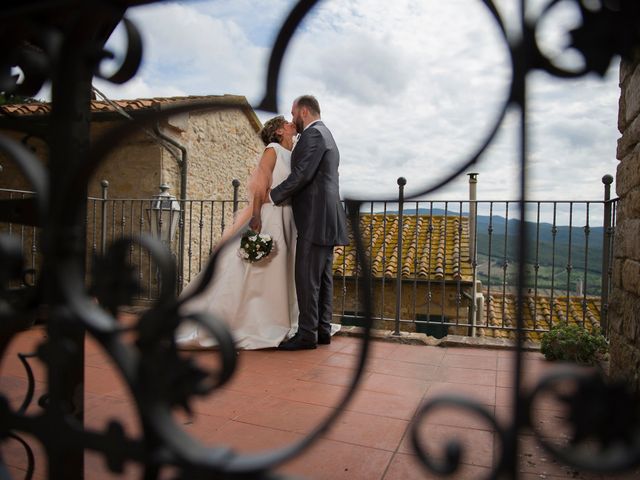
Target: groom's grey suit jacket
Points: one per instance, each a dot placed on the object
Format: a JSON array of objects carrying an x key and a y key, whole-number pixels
[{"x": 313, "y": 188}]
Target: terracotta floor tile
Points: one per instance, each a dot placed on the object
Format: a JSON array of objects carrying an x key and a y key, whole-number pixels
[
  {"x": 20, "y": 473},
  {"x": 384, "y": 404},
  {"x": 98, "y": 360},
  {"x": 504, "y": 379},
  {"x": 467, "y": 376},
  {"x": 483, "y": 394},
  {"x": 331, "y": 460},
  {"x": 477, "y": 445},
  {"x": 257, "y": 384},
  {"x": 272, "y": 364},
  {"x": 425, "y": 355},
  {"x": 104, "y": 381},
  {"x": 275, "y": 398},
  {"x": 12, "y": 366},
  {"x": 199, "y": 426},
  {"x": 316, "y": 356},
  {"x": 101, "y": 410},
  {"x": 15, "y": 390},
  {"x": 15, "y": 455},
  {"x": 458, "y": 417},
  {"x": 225, "y": 403},
  {"x": 408, "y": 467},
  {"x": 532, "y": 372},
  {"x": 285, "y": 415},
  {"x": 368, "y": 430},
  {"x": 377, "y": 382},
  {"x": 340, "y": 341},
  {"x": 452, "y": 359},
  {"x": 504, "y": 416},
  {"x": 312, "y": 393},
  {"x": 477, "y": 352},
  {"x": 403, "y": 369},
  {"x": 504, "y": 396},
  {"x": 506, "y": 364},
  {"x": 330, "y": 375},
  {"x": 532, "y": 355},
  {"x": 341, "y": 360},
  {"x": 377, "y": 349},
  {"x": 247, "y": 438}
]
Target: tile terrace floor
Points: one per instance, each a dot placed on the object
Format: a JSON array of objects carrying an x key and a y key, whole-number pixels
[{"x": 276, "y": 397}]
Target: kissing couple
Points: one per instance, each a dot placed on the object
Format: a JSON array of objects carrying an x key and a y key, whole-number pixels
[{"x": 286, "y": 299}]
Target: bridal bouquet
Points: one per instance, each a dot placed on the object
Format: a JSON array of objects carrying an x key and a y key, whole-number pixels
[{"x": 255, "y": 246}]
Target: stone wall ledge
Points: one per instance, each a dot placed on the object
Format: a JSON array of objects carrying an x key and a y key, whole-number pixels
[{"x": 449, "y": 341}]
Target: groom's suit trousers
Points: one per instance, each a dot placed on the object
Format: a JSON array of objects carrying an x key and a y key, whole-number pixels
[{"x": 314, "y": 287}]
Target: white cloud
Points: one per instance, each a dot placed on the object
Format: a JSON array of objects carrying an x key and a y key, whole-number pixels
[{"x": 409, "y": 88}]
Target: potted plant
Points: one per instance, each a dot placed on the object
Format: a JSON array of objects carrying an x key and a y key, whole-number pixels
[{"x": 573, "y": 343}]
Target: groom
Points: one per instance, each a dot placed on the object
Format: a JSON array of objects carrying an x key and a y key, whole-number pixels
[{"x": 320, "y": 221}]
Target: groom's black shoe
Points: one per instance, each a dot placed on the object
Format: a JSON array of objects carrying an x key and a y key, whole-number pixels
[
  {"x": 297, "y": 343},
  {"x": 324, "y": 338}
]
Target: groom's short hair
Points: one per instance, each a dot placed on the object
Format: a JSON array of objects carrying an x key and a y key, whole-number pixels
[{"x": 310, "y": 102}]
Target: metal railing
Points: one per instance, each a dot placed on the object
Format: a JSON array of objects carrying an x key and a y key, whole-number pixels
[{"x": 456, "y": 273}]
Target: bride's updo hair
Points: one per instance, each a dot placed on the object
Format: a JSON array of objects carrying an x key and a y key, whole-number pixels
[{"x": 268, "y": 132}]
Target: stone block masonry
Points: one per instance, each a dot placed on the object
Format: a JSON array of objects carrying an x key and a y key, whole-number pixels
[{"x": 624, "y": 315}]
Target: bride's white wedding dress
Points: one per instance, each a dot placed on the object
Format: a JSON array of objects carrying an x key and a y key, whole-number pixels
[{"x": 256, "y": 300}]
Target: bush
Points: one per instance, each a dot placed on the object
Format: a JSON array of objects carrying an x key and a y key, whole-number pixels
[{"x": 573, "y": 343}]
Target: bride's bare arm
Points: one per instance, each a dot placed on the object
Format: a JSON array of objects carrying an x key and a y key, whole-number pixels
[{"x": 261, "y": 183}]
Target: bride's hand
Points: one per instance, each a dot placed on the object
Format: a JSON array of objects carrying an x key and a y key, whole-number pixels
[{"x": 256, "y": 223}]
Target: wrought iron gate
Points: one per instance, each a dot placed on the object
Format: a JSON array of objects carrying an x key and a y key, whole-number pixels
[{"x": 63, "y": 41}]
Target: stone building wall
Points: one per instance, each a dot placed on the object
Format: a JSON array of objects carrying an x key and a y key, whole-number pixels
[
  {"x": 132, "y": 168},
  {"x": 348, "y": 297},
  {"x": 222, "y": 145},
  {"x": 624, "y": 314}
]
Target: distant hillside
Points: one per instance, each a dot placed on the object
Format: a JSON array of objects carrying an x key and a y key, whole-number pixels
[{"x": 544, "y": 246}]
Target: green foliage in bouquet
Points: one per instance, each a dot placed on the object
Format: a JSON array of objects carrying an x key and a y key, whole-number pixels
[
  {"x": 255, "y": 246},
  {"x": 573, "y": 343}
]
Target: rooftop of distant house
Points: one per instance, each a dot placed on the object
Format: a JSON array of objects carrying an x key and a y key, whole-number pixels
[
  {"x": 435, "y": 247},
  {"x": 36, "y": 109}
]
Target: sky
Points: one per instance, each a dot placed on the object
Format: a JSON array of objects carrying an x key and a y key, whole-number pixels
[{"x": 409, "y": 88}]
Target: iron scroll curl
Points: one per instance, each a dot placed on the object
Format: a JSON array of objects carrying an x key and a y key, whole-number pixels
[{"x": 164, "y": 442}]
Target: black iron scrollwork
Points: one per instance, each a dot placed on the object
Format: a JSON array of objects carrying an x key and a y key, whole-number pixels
[
  {"x": 601, "y": 425},
  {"x": 158, "y": 377}
]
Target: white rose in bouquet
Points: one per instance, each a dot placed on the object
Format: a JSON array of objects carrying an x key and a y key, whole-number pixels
[{"x": 255, "y": 246}]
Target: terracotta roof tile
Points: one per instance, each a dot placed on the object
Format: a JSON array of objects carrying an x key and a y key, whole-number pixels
[
  {"x": 434, "y": 247},
  {"x": 43, "y": 108},
  {"x": 539, "y": 313}
]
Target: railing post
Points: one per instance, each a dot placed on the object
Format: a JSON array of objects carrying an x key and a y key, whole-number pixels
[
  {"x": 607, "y": 180},
  {"x": 236, "y": 184},
  {"x": 103, "y": 233},
  {"x": 401, "y": 183},
  {"x": 473, "y": 212}
]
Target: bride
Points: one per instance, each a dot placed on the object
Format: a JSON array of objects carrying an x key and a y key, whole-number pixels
[{"x": 256, "y": 300}]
